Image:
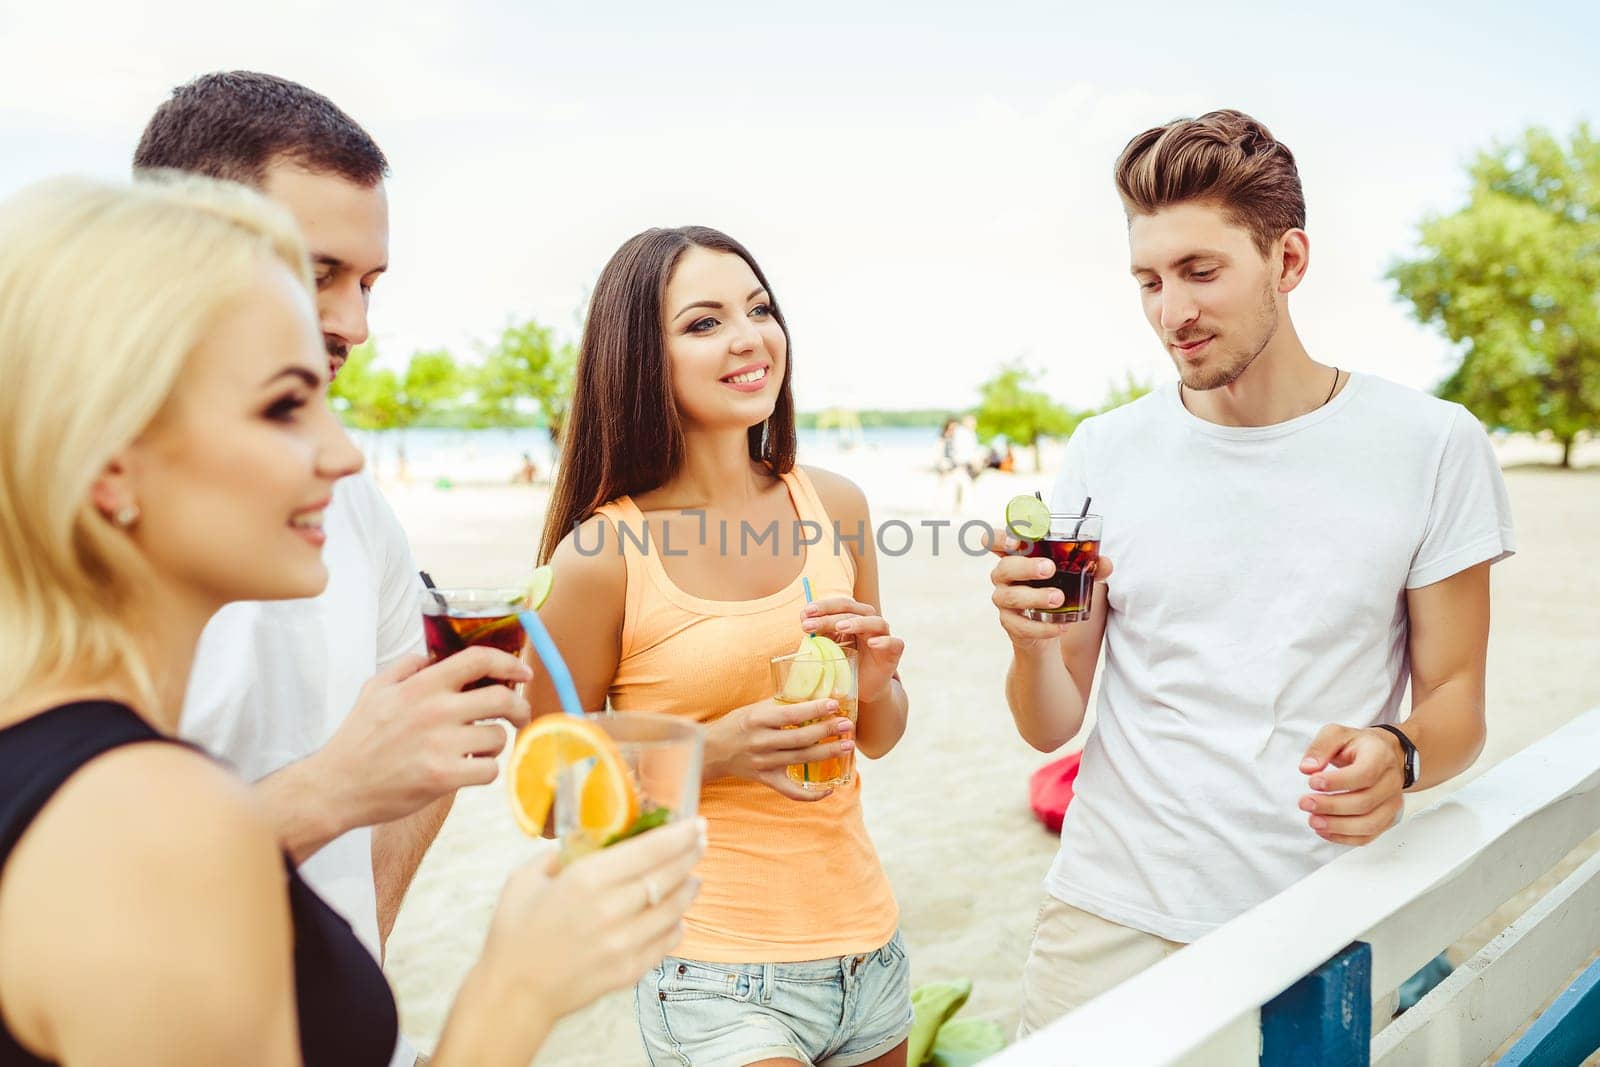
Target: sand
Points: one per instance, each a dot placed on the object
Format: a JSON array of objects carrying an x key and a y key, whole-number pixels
[{"x": 948, "y": 808}]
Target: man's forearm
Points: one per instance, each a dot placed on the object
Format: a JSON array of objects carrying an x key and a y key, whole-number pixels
[
  {"x": 1447, "y": 726},
  {"x": 1046, "y": 703},
  {"x": 1449, "y": 647},
  {"x": 397, "y": 851},
  {"x": 302, "y": 809}
]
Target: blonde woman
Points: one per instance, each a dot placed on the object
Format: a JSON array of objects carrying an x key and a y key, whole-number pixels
[{"x": 165, "y": 448}]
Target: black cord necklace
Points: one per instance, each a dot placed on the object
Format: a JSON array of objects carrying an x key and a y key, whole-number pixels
[
  {"x": 1331, "y": 389},
  {"x": 1334, "y": 388}
]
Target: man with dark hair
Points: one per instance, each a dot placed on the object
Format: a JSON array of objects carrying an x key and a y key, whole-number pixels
[
  {"x": 237, "y": 125},
  {"x": 299, "y": 149},
  {"x": 1294, "y": 545},
  {"x": 357, "y": 745}
]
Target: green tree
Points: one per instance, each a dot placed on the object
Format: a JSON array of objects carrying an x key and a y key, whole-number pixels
[
  {"x": 1130, "y": 390},
  {"x": 365, "y": 396},
  {"x": 1009, "y": 404},
  {"x": 432, "y": 383},
  {"x": 1513, "y": 278},
  {"x": 526, "y": 372}
]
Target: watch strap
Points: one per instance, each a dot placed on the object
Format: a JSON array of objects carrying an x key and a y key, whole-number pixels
[{"x": 1408, "y": 748}]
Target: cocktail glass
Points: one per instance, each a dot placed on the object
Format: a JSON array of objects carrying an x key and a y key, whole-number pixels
[
  {"x": 1073, "y": 545},
  {"x": 660, "y": 757},
  {"x": 453, "y": 620}
]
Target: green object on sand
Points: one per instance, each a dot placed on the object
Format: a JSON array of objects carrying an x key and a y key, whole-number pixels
[
  {"x": 964, "y": 1042},
  {"x": 932, "y": 1005}
]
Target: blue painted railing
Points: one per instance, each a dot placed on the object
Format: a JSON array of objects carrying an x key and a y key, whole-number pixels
[
  {"x": 1324, "y": 1019},
  {"x": 1569, "y": 1030},
  {"x": 1303, "y": 977}
]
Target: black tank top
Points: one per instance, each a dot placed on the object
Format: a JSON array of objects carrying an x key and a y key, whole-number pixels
[{"x": 347, "y": 1014}]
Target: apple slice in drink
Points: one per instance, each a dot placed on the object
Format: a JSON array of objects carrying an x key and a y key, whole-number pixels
[
  {"x": 834, "y": 660},
  {"x": 828, "y": 663},
  {"x": 807, "y": 674}
]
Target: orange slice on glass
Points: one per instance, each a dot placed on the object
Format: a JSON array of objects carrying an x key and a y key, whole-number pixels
[{"x": 609, "y": 801}]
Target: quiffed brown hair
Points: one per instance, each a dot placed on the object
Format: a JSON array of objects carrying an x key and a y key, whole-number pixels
[
  {"x": 1225, "y": 157},
  {"x": 624, "y": 436},
  {"x": 235, "y": 124}
]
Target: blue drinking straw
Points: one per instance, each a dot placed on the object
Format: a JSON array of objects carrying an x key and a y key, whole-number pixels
[
  {"x": 805, "y": 583},
  {"x": 550, "y": 656}
]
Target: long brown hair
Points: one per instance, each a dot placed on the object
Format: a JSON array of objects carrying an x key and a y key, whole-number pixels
[{"x": 624, "y": 435}]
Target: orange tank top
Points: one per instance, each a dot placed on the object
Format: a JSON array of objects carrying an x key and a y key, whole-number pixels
[{"x": 782, "y": 881}]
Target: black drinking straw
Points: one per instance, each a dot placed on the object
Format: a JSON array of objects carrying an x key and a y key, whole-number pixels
[
  {"x": 1077, "y": 547},
  {"x": 438, "y": 598}
]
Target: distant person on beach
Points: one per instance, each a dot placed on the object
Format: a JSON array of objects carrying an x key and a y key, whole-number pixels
[
  {"x": 528, "y": 473},
  {"x": 150, "y": 913},
  {"x": 968, "y": 454},
  {"x": 947, "y": 448},
  {"x": 327, "y": 702},
  {"x": 792, "y": 954},
  {"x": 945, "y": 468},
  {"x": 1295, "y": 543},
  {"x": 999, "y": 455}
]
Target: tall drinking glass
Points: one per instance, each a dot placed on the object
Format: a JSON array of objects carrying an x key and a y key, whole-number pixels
[{"x": 806, "y": 676}]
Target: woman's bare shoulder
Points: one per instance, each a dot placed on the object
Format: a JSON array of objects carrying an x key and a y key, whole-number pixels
[
  {"x": 152, "y": 868},
  {"x": 842, "y": 497}
]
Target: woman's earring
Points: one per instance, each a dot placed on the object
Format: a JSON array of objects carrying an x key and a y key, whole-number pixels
[{"x": 126, "y": 515}]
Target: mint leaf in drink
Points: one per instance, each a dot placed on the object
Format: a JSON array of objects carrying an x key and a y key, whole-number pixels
[{"x": 647, "y": 820}]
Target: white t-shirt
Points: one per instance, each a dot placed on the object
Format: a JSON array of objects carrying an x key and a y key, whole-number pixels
[
  {"x": 1259, "y": 595},
  {"x": 273, "y": 680}
]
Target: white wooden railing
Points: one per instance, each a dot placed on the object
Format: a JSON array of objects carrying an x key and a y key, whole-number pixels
[{"x": 1408, "y": 896}]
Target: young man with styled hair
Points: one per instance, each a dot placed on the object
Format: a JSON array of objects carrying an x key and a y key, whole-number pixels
[
  {"x": 358, "y": 746},
  {"x": 1294, "y": 543}
]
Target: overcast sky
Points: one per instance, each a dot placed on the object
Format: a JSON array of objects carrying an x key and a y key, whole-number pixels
[{"x": 929, "y": 197}]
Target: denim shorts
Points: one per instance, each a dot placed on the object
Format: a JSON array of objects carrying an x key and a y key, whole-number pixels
[{"x": 837, "y": 1012}]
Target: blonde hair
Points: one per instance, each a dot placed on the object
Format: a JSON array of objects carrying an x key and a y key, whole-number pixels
[
  {"x": 105, "y": 291},
  {"x": 1225, "y": 157}
]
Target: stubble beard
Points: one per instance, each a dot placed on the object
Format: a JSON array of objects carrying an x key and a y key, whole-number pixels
[{"x": 1265, "y": 327}]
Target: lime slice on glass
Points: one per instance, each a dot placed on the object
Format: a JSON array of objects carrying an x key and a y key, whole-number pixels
[
  {"x": 539, "y": 585},
  {"x": 1028, "y": 518}
]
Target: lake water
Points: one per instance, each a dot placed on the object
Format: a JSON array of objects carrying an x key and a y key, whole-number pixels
[{"x": 495, "y": 456}]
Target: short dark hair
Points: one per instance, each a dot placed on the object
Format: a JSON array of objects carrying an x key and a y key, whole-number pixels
[
  {"x": 1225, "y": 157},
  {"x": 235, "y": 124}
]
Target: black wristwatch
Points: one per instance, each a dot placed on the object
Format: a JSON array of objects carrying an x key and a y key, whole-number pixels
[{"x": 1413, "y": 762}]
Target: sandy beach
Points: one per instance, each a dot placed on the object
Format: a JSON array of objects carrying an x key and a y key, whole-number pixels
[{"x": 948, "y": 808}]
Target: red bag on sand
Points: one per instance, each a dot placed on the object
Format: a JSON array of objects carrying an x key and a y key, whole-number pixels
[{"x": 1050, "y": 790}]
